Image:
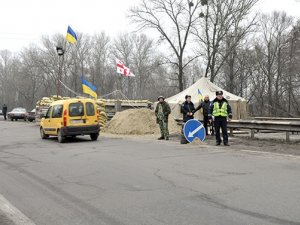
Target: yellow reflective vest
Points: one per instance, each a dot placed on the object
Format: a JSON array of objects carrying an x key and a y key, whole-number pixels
[{"x": 220, "y": 111}]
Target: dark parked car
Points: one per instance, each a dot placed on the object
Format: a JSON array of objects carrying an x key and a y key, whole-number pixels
[
  {"x": 31, "y": 115},
  {"x": 17, "y": 113}
]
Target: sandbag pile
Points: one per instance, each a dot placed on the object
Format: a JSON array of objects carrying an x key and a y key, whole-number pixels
[
  {"x": 127, "y": 101},
  {"x": 46, "y": 101},
  {"x": 138, "y": 122},
  {"x": 43, "y": 105},
  {"x": 102, "y": 116},
  {"x": 135, "y": 103}
]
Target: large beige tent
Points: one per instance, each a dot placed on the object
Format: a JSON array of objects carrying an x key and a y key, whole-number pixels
[{"x": 238, "y": 104}]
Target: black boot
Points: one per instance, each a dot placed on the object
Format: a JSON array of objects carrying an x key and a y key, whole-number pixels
[
  {"x": 183, "y": 140},
  {"x": 161, "y": 138}
]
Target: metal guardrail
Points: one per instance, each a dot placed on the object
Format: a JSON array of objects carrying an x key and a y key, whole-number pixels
[
  {"x": 276, "y": 119},
  {"x": 255, "y": 125}
]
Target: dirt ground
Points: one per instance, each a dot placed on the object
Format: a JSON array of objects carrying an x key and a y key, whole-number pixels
[
  {"x": 273, "y": 142},
  {"x": 239, "y": 142}
]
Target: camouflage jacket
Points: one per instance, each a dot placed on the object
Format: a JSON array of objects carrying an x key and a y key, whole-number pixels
[{"x": 166, "y": 111}]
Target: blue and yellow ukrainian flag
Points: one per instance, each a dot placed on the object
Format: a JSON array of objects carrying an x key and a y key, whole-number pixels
[
  {"x": 200, "y": 95},
  {"x": 71, "y": 36},
  {"x": 88, "y": 88}
]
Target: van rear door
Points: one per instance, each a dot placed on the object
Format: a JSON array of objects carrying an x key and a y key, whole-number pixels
[
  {"x": 91, "y": 113},
  {"x": 77, "y": 114}
]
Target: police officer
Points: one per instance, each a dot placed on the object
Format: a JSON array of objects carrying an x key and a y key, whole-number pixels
[
  {"x": 187, "y": 109},
  {"x": 162, "y": 113},
  {"x": 205, "y": 105},
  {"x": 220, "y": 110}
]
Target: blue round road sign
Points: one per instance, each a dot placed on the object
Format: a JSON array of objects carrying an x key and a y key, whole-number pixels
[{"x": 194, "y": 129}]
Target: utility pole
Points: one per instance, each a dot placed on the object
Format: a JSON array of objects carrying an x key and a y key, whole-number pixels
[{"x": 60, "y": 52}]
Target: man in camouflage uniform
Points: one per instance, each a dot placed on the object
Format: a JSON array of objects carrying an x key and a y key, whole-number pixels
[{"x": 162, "y": 113}]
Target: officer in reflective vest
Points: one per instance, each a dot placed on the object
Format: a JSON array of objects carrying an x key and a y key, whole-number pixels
[{"x": 220, "y": 110}]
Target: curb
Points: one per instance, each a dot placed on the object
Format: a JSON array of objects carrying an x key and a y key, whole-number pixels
[{"x": 13, "y": 214}]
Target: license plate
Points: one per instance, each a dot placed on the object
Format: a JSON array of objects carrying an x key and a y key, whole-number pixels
[{"x": 76, "y": 121}]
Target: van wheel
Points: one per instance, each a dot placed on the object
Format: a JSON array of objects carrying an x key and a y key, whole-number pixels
[
  {"x": 60, "y": 137},
  {"x": 43, "y": 135},
  {"x": 94, "y": 137}
]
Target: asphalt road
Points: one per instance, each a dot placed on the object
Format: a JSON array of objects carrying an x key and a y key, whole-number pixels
[{"x": 135, "y": 181}]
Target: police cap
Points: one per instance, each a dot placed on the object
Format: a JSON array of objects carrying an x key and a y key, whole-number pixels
[{"x": 219, "y": 92}]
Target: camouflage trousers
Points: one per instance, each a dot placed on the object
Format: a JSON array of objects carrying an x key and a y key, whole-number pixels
[{"x": 163, "y": 125}]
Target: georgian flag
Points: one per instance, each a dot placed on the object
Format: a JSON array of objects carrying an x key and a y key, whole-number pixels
[{"x": 122, "y": 69}]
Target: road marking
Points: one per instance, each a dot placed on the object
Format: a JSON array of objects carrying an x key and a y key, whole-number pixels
[{"x": 13, "y": 214}]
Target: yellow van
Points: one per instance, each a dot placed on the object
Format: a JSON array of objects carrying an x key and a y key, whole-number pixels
[{"x": 70, "y": 118}]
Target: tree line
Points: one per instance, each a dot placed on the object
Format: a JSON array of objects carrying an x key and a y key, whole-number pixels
[{"x": 251, "y": 55}]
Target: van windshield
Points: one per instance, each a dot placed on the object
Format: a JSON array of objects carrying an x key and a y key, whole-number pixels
[{"x": 76, "y": 109}]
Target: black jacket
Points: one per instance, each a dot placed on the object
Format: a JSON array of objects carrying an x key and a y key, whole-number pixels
[
  {"x": 185, "y": 108},
  {"x": 211, "y": 108},
  {"x": 205, "y": 105},
  {"x": 4, "y": 109}
]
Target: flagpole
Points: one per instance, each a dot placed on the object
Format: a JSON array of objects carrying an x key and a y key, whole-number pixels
[{"x": 120, "y": 77}]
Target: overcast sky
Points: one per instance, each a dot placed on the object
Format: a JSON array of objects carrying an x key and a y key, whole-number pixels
[{"x": 24, "y": 21}]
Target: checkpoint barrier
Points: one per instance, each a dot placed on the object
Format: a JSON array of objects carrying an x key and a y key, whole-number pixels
[
  {"x": 276, "y": 119},
  {"x": 256, "y": 125}
]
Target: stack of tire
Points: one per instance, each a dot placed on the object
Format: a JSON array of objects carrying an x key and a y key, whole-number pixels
[{"x": 102, "y": 116}]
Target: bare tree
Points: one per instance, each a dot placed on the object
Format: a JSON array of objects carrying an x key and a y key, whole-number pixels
[
  {"x": 99, "y": 62},
  {"x": 145, "y": 60},
  {"x": 274, "y": 29},
  {"x": 48, "y": 62},
  {"x": 224, "y": 27},
  {"x": 173, "y": 20},
  {"x": 138, "y": 52},
  {"x": 123, "y": 49},
  {"x": 33, "y": 72},
  {"x": 292, "y": 79},
  {"x": 31, "y": 75},
  {"x": 10, "y": 66},
  {"x": 77, "y": 60}
]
